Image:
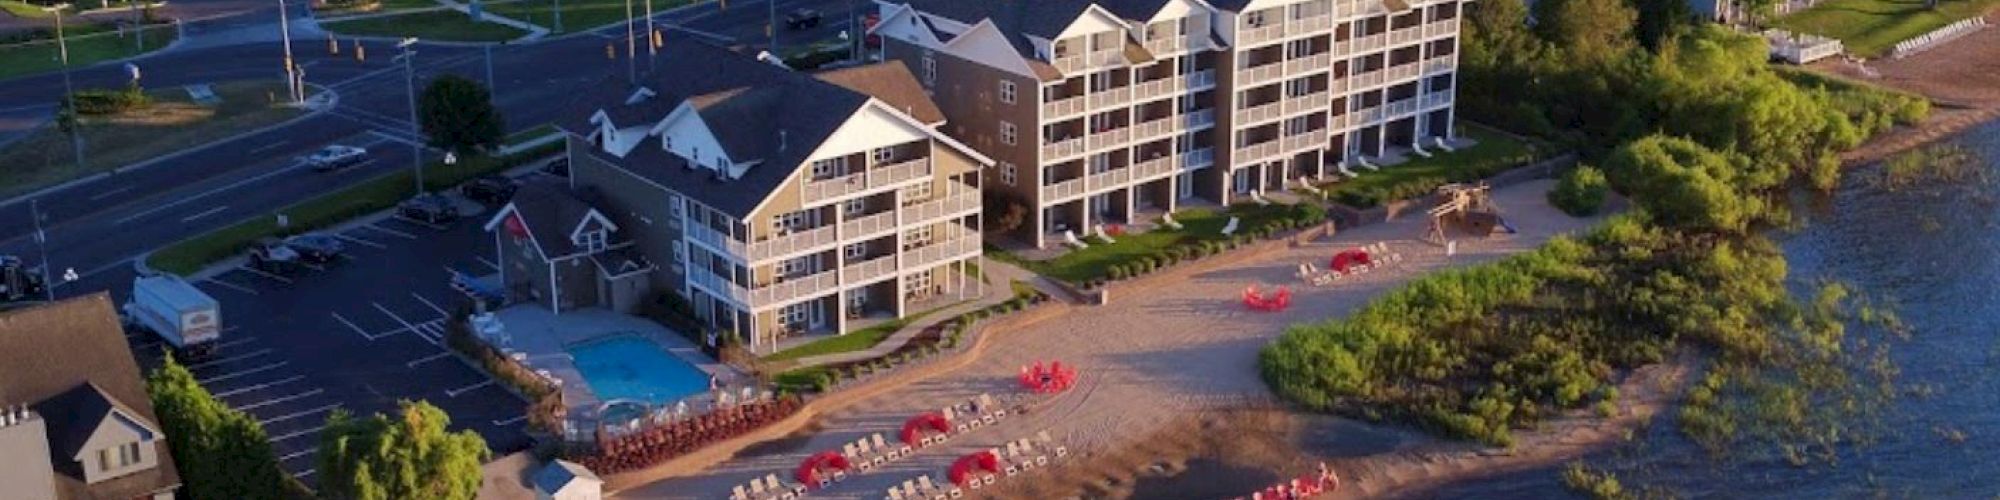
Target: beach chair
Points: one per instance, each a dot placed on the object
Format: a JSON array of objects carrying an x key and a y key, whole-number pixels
[
  {"x": 1168, "y": 220},
  {"x": 756, "y": 488},
  {"x": 1418, "y": 149},
  {"x": 1258, "y": 196},
  {"x": 1044, "y": 436},
  {"x": 1230, "y": 228},
  {"x": 1363, "y": 160},
  {"x": 1305, "y": 184},
  {"x": 1012, "y": 450},
  {"x": 771, "y": 483},
  {"x": 1342, "y": 167},
  {"x": 1103, "y": 235},
  {"x": 925, "y": 482},
  {"x": 879, "y": 443},
  {"x": 736, "y": 493},
  {"x": 1443, "y": 144},
  {"x": 1069, "y": 237},
  {"x": 895, "y": 493}
]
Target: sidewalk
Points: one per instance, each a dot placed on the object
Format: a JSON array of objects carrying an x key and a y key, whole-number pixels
[{"x": 999, "y": 277}]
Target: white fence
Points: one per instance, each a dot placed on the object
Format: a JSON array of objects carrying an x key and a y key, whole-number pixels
[
  {"x": 1800, "y": 48},
  {"x": 1938, "y": 37}
]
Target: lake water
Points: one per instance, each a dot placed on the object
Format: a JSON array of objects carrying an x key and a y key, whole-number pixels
[{"x": 1934, "y": 251}]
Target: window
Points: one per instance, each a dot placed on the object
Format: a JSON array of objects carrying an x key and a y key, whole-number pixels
[
  {"x": 794, "y": 267},
  {"x": 591, "y": 241},
  {"x": 680, "y": 250},
  {"x": 883, "y": 155},
  {"x": 930, "y": 68},
  {"x": 794, "y": 314},
  {"x": 1007, "y": 133},
  {"x": 829, "y": 168},
  {"x": 677, "y": 204},
  {"x": 854, "y": 206},
  {"x": 1100, "y": 163},
  {"x": 854, "y": 251},
  {"x": 916, "y": 193},
  {"x": 128, "y": 455},
  {"x": 918, "y": 283},
  {"x": 1007, "y": 91},
  {"x": 917, "y": 237},
  {"x": 1254, "y": 19},
  {"x": 1007, "y": 173},
  {"x": 788, "y": 222},
  {"x": 104, "y": 459}
]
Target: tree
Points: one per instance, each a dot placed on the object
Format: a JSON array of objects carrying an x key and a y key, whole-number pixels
[
  {"x": 1686, "y": 185},
  {"x": 458, "y": 115},
  {"x": 1592, "y": 30},
  {"x": 220, "y": 452},
  {"x": 1580, "y": 192},
  {"x": 412, "y": 456}
]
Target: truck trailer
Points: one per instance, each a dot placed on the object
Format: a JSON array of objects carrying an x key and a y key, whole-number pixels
[{"x": 185, "y": 318}]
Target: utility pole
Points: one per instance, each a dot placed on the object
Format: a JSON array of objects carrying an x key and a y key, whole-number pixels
[
  {"x": 69, "y": 93},
  {"x": 652, "y": 48},
  {"x": 42, "y": 241},
  {"x": 416, "y": 130},
  {"x": 138, "y": 26},
  {"x": 631, "y": 47},
  {"x": 291, "y": 71}
]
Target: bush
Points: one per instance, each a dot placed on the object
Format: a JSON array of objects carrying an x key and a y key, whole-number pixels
[
  {"x": 1115, "y": 272},
  {"x": 1580, "y": 192},
  {"x": 107, "y": 101}
]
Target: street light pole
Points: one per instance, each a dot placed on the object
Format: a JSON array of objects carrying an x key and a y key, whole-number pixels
[
  {"x": 410, "y": 79},
  {"x": 631, "y": 47},
  {"x": 652, "y": 49},
  {"x": 291, "y": 72},
  {"x": 69, "y": 93}
]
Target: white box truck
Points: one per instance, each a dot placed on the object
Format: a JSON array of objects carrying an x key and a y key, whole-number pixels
[{"x": 179, "y": 313}]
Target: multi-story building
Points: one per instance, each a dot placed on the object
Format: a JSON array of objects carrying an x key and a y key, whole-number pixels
[
  {"x": 776, "y": 202},
  {"x": 1109, "y": 111}
]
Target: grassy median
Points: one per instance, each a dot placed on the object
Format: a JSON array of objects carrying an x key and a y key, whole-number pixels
[
  {"x": 373, "y": 195},
  {"x": 579, "y": 15},
  {"x": 433, "y": 25},
  {"x": 88, "y": 44},
  {"x": 173, "y": 122},
  {"x": 1870, "y": 28}
]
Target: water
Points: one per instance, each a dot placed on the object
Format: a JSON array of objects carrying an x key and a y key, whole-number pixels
[
  {"x": 627, "y": 367},
  {"x": 1935, "y": 251}
]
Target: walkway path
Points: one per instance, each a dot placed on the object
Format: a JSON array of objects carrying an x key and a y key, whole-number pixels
[
  {"x": 1153, "y": 355},
  {"x": 999, "y": 277}
]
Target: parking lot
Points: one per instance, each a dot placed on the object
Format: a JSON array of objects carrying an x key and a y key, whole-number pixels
[{"x": 359, "y": 333}]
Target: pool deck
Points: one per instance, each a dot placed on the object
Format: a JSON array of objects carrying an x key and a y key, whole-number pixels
[{"x": 545, "y": 337}]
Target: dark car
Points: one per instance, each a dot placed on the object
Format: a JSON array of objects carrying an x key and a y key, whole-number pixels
[
  {"x": 558, "y": 167},
  {"x": 18, "y": 281},
  {"x": 317, "y": 248},
  {"x": 490, "y": 189},
  {"x": 802, "y": 19},
  {"x": 272, "y": 254},
  {"x": 428, "y": 207}
]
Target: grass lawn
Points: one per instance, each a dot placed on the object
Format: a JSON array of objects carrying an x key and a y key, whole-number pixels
[
  {"x": 88, "y": 44},
  {"x": 23, "y": 10},
  {"x": 1871, "y": 27},
  {"x": 852, "y": 341},
  {"x": 440, "y": 25},
  {"x": 579, "y": 15},
  {"x": 530, "y": 134},
  {"x": 1197, "y": 224},
  {"x": 329, "y": 9},
  {"x": 172, "y": 123},
  {"x": 1493, "y": 153}
]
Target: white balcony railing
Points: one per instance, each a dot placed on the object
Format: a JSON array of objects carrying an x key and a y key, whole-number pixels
[
  {"x": 1401, "y": 107},
  {"x": 1201, "y": 80},
  {"x": 1315, "y": 63},
  {"x": 1437, "y": 99},
  {"x": 1154, "y": 168},
  {"x": 1250, "y": 36},
  {"x": 796, "y": 288},
  {"x": 1109, "y": 98},
  {"x": 1306, "y": 25},
  {"x": 1439, "y": 65},
  {"x": 1154, "y": 128},
  {"x": 1159, "y": 88},
  {"x": 1090, "y": 61},
  {"x": 1315, "y": 101},
  {"x": 1197, "y": 159},
  {"x": 1259, "y": 113},
  {"x": 1406, "y": 35},
  {"x": 1402, "y": 72},
  {"x": 1254, "y": 75},
  {"x": 1301, "y": 142},
  {"x": 719, "y": 285},
  {"x": 868, "y": 270},
  {"x": 1110, "y": 138},
  {"x": 792, "y": 243},
  {"x": 1364, "y": 80},
  {"x": 876, "y": 177},
  {"x": 868, "y": 226},
  {"x": 1061, "y": 190},
  {"x": 1166, "y": 45},
  {"x": 826, "y": 189},
  {"x": 1367, "y": 43},
  {"x": 926, "y": 256},
  {"x": 1062, "y": 107},
  {"x": 1255, "y": 152},
  {"x": 1198, "y": 118},
  {"x": 957, "y": 205},
  {"x": 1054, "y": 150},
  {"x": 1365, "y": 116},
  {"x": 702, "y": 233},
  {"x": 1441, "y": 28},
  {"x": 1109, "y": 179}
]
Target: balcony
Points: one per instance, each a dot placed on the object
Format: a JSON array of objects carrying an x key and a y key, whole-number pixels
[
  {"x": 718, "y": 285},
  {"x": 1248, "y": 36},
  {"x": 868, "y": 270},
  {"x": 792, "y": 243},
  {"x": 1339, "y": 122},
  {"x": 1198, "y": 119},
  {"x": 963, "y": 245},
  {"x": 868, "y": 226},
  {"x": 1054, "y": 150},
  {"x": 1255, "y": 152},
  {"x": 876, "y": 177},
  {"x": 1438, "y": 99},
  {"x": 1316, "y": 63},
  {"x": 1062, "y": 107},
  {"x": 1255, "y": 75},
  {"x": 1401, "y": 72},
  {"x": 1110, "y": 97},
  {"x": 1109, "y": 138},
  {"x": 1405, "y": 36},
  {"x": 1167, "y": 45},
  {"x": 1259, "y": 113},
  {"x": 957, "y": 205},
  {"x": 723, "y": 243},
  {"x": 796, "y": 288},
  {"x": 1309, "y": 140},
  {"x": 1090, "y": 61},
  {"x": 1315, "y": 101},
  {"x": 1109, "y": 179},
  {"x": 1400, "y": 107},
  {"x": 1164, "y": 87},
  {"x": 1314, "y": 24},
  {"x": 1201, "y": 80},
  {"x": 1367, "y": 43},
  {"x": 1155, "y": 128},
  {"x": 1365, "y": 116},
  {"x": 1439, "y": 65},
  {"x": 1197, "y": 159},
  {"x": 1364, "y": 80},
  {"x": 1061, "y": 190},
  {"x": 1154, "y": 168},
  {"x": 1441, "y": 28}
]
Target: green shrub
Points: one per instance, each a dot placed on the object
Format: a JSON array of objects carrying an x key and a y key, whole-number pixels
[
  {"x": 823, "y": 382},
  {"x": 1115, "y": 272},
  {"x": 1580, "y": 192},
  {"x": 107, "y": 101}
]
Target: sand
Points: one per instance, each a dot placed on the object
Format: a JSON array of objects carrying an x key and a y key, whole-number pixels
[{"x": 1962, "y": 78}]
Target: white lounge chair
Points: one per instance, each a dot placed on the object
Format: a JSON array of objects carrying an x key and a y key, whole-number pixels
[
  {"x": 771, "y": 483},
  {"x": 757, "y": 488},
  {"x": 895, "y": 493},
  {"x": 1342, "y": 167},
  {"x": 1418, "y": 149},
  {"x": 1258, "y": 196},
  {"x": 1230, "y": 228},
  {"x": 1104, "y": 235},
  {"x": 1305, "y": 184},
  {"x": 1363, "y": 160},
  {"x": 1444, "y": 145},
  {"x": 1168, "y": 220},
  {"x": 736, "y": 493},
  {"x": 1070, "y": 238}
]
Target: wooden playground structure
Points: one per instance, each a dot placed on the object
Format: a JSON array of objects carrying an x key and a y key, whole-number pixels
[{"x": 1468, "y": 208}]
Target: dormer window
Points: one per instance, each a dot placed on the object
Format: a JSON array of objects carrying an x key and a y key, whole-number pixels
[{"x": 591, "y": 241}]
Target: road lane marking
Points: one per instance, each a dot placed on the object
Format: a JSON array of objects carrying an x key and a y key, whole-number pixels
[
  {"x": 231, "y": 286},
  {"x": 269, "y": 402},
  {"x": 245, "y": 373},
  {"x": 204, "y": 213},
  {"x": 111, "y": 193},
  {"x": 275, "y": 145},
  {"x": 293, "y": 166},
  {"x": 392, "y": 138},
  {"x": 510, "y": 421},
  {"x": 434, "y": 306},
  {"x": 240, "y": 390},
  {"x": 427, "y": 359},
  {"x": 390, "y": 232},
  {"x": 209, "y": 363},
  {"x": 462, "y": 390},
  {"x": 233, "y": 343},
  {"x": 307, "y": 472},
  {"x": 266, "y": 274},
  {"x": 360, "y": 241},
  {"x": 282, "y": 418}
]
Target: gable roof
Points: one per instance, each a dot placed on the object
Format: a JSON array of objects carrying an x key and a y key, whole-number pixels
[
  {"x": 85, "y": 406},
  {"x": 559, "y": 474},
  {"x": 1044, "y": 19},
  {"x": 893, "y": 83},
  {"x": 72, "y": 354},
  {"x": 551, "y": 213}
]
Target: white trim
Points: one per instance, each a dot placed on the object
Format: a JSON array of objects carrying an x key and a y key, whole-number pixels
[
  {"x": 500, "y": 215},
  {"x": 587, "y": 217}
]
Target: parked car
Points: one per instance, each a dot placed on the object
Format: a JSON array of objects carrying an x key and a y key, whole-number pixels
[
  {"x": 336, "y": 157},
  {"x": 271, "y": 254},
  {"x": 18, "y": 281},
  {"x": 428, "y": 207},
  {"x": 559, "y": 167},
  {"x": 317, "y": 248},
  {"x": 802, "y": 19},
  {"x": 490, "y": 189}
]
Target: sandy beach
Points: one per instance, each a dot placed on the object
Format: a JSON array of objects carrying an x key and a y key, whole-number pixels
[{"x": 1962, "y": 79}]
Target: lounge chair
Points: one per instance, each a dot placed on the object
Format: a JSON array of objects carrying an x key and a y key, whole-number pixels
[
  {"x": 1418, "y": 149},
  {"x": 895, "y": 493},
  {"x": 771, "y": 483},
  {"x": 757, "y": 488},
  {"x": 736, "y": 493},
  {"x": 1104, "y": 235},
  {"x": 1230, "y": 228},
  {"x": 1342, "y": 167},
  {"x": 1258, "y": 196},
  {"x": 1305, "y": 184},
  {"x": 1168, "y": 220},
  {"x": 1363, "y": 160},
  {"x": 1443, "y": 144},
  {"x": 1070, "y": 238}
]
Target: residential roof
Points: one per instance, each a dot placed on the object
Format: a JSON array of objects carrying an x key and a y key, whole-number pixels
[
  {"x": 69, "y": 354},
  {"x": 759, "y": 112},
  {"x": 1041, "y": 18},
  {"x": 560, "y": 474},
  {"x": 85, "y": 405},
  {"x": 550, "y": 211},
  {"x": 893, "y": 83}
]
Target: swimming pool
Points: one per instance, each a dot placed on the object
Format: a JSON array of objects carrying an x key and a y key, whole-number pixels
[{"x": 633, "y": 368}]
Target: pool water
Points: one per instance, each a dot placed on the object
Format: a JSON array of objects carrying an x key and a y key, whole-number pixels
[{"x": 633, "y": 368}]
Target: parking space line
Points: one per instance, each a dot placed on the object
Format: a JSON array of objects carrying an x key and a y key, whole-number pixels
[
  {"x": 399, "y": 319},
  {"x": 510, "y": 421},
  {"x": 426, "y": 359},
  {"x": 299, "y": 433},
  {"x": 148, "y": 345},
  {"x": 281, "y": 418},
  {"x": 301, "y": 453},
  {"x": 240, "y": 390},
  {"x": 277, "y": 401},
  {"x": 266, "y": 274},
  {"x": 462, "y": 390},
  {"x": 213, "y": 362},
  {"x": 431, "y": 330},
  {"x": 253, "y": 371},
  {"x": 233, "y": 343},
  {"x": 350, "y": 324},
  {"x": 359, "y": 241},
  {"x": 391, "y": 232},
  {"x": 488, "y": 263},
  {"x": 434, "y": 306},
  {"x": 305, "y": 473},
  {"x": 231, "y": 286}
]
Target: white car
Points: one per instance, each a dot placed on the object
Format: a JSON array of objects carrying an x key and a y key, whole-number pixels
[{"x": 336, "y": 157}]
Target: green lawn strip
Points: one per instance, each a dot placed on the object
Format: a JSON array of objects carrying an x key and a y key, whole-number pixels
[
  {"x": 87, "y": 45},
  {"x": 530, "y": 134},
  {"x": 852, "y": 341},
  {"x": 1870, "y": 28},
  {"x": 23, "y": 10},
  {"x": 331, "y": 9},
  {"x": 580, "y": 15},
  {"x": 1197, "y": 224},
  {"x": 1494, "y": 153},
  {"x": 172, "y": 123},
  {"x": 438, "y": 25},
  {"x": 380, "y": 193}
]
